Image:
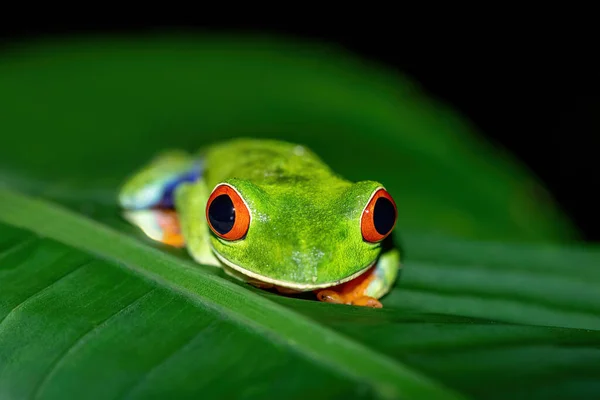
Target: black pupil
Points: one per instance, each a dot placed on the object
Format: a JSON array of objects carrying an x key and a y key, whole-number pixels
[
  {"x": 384, "y": 215},
  {"x": 221, "y": 214}
]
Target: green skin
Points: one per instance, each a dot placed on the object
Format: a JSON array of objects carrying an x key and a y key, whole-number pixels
[{"x": 305, "y": 226}]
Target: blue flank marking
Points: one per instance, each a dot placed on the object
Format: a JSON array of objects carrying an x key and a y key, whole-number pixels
[{"x": 167, "y": 200}]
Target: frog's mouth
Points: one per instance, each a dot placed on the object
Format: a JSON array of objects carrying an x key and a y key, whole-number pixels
[{"x": 287, "y": 284}]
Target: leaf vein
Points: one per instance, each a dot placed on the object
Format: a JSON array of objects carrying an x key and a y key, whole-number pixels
[
  {"x": 514, "y": 297},
  {"x": 82, "y": 340},
  {"x": 17, "y": 246},
  {"x": 165, "y": 360},
  {"x": 42, "y": 291}
]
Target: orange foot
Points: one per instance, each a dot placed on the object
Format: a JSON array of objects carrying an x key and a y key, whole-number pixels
[
  {"x": 351, "y": 292},
  {"x": 171, "y": 231}
]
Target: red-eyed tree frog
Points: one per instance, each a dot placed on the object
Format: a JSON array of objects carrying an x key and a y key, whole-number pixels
[{"x": 272, "y": 214}]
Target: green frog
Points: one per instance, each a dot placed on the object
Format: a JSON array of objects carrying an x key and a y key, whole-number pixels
[{"x": 272, "y": 214}]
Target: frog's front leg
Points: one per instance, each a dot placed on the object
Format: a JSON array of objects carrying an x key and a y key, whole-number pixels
[
  {"x": 368, "y": 288},
  {"x": 147, "y": 197},
  {"x": 190, "y": 202}
]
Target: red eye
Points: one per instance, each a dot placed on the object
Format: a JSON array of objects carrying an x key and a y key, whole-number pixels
[
  {"x": 379, "y": 217},
  {"x": 227, "y": 214}
]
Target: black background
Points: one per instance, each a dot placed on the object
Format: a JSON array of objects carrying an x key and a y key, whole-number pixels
[{"x": 529, "y": 86}]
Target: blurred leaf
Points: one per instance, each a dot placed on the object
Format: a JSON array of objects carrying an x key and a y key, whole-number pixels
[{"x": 81, "y": 114}]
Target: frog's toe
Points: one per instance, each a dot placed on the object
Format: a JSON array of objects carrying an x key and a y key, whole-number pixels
[
  {"x": 329, "y": 296},
  {"x": 366, "y": 301}
]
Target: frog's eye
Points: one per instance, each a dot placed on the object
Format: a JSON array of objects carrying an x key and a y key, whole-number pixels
[
  {"x": 227, "y": 213},
  {"x": 379, "y": 217}
]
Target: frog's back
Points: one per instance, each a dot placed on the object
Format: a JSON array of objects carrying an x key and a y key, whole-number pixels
[{"x": 266, "y": 162}]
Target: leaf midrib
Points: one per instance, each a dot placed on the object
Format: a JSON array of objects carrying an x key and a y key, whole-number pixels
[{"x": 390, "y": 378}]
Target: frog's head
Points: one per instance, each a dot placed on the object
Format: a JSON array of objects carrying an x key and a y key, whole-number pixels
[{"x": 300, "y": 236}]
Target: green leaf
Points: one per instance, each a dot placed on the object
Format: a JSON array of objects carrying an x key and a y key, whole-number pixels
[
  {"x": 89, "y": 308},
  {"x": 207, "y": 298}
]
